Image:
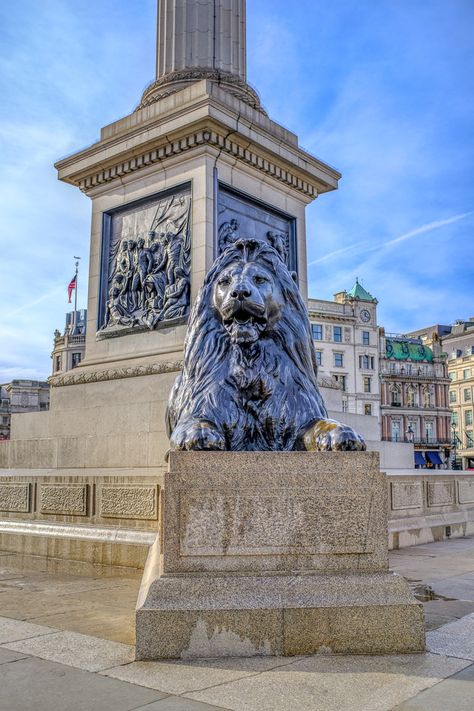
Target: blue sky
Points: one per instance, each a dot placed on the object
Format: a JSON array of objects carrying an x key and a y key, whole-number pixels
[{"x": 382, "y": 90}]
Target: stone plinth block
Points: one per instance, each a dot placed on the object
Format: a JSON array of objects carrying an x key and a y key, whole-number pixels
[{"x": 274, "y": 553}]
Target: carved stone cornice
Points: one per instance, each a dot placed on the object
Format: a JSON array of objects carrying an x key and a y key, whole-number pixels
[
  {"x": 193, "y": 140},
  {"x": 175, "y": 81},
  {"x": 81, "y": 377}
]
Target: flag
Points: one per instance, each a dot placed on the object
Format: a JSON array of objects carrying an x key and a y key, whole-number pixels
[{"x": 71, "y": 287}]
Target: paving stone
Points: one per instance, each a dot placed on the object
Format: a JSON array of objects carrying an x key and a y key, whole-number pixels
[
  {"x": 13, "y": 630},
  {"x": 177, "y": 677},
  {"x": 334, "y": 684},
  {"x": 6, "y": 656},
  {"x": 114, "y": 623},
  {"x": 38, "y": 685},
  {"x": 455, "y": 639},
  {"x": 457, "y": 693},
  {"x": 177, "y": 703},
  {"x": 77, "y": 650}
]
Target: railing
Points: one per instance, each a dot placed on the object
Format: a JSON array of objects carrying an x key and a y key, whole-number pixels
[
  {"x": 401, "y": 337},
  {"x": 418, "y": 440}
]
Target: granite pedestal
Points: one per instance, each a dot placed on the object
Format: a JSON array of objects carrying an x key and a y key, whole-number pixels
[{"x": 274, "y": 553}]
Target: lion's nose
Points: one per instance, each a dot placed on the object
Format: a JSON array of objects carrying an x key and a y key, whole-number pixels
[{"x": 240, "y": 292}]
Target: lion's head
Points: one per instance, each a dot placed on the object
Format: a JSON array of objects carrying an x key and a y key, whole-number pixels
[{"x": 249, "y": 317}]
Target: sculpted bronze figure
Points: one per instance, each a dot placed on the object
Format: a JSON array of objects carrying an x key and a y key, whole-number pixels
[{"x": 249, "y": 377}]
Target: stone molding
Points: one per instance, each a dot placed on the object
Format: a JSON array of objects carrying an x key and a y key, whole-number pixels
[
  {"x": 96, "y": 376},
  {"x": 175, "y": 81},
  {"x": 198, "y": 138},
  {"x": 63, "y": 499}
]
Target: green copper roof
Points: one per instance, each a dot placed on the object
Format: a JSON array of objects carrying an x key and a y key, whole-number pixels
[
  {"x": 404, "y": 350},
  {"x": 358, "y": 292}
]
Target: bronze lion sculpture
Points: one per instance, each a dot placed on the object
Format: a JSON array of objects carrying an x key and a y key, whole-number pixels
[{"x": 249, "y": 376}]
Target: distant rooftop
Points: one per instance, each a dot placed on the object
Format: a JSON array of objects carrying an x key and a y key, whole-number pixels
[
  {"x": 408, "y": 349},
  {"x": 358, "y": 292}
]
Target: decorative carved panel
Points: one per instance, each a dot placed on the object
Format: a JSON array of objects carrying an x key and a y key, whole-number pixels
[
  {"x": 440, "y": 493},
  {"x": 406, "y": 495},
  {"x": 15, "y": 497},
  {"x": 122, "y": 501},
  {"x": 239, "y": 215},
  {"x": 63, "y": 499},
  {"x": 466, "y": 492},
  {"x": 146, "y": 264}
]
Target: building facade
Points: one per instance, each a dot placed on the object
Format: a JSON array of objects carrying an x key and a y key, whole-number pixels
[
  {"x": 21, "y": 396},
  {"x": 459, "y": 345},
  {"x": 345, "y": 335},
  {"x": 69, "y": 346},
  {"x": 414, "y": 398}
]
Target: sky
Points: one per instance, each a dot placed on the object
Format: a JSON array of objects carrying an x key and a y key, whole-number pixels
[{"x": 381, "y": 90}]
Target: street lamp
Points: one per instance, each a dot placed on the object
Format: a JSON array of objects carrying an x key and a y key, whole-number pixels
[
  {"x": 453, "y": 427},
  {"x": 410, "y": 433}
]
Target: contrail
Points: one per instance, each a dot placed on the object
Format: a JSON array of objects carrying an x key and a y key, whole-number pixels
[{"x": 407, "y": 235}]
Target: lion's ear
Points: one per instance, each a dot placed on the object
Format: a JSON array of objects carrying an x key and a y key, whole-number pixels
[{"x": 294, "y": 276}]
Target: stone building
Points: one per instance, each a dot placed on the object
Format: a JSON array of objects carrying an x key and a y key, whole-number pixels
[
  {"x": 345, "y": 334},
  {"x": 69, "y": 346},
  {"x": 20, "y": 396},
  {"x": 414, "y": 397},
  {"x": 459, "y": 345}
]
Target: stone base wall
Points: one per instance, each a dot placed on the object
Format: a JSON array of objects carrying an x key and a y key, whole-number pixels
[{"x": 429, "y": 507}]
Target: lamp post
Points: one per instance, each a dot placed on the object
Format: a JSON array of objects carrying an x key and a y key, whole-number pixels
[
  {"x": 453, "y": 427},
  {"x": 410, "y": 433}
]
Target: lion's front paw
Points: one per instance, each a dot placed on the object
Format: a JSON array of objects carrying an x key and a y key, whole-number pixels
[
  {"x": 329, "y": 435},
  {"x": 197, "y": 436}
]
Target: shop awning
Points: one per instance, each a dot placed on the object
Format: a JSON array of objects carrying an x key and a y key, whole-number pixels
[
  {"x": 419, "y": 460},
  {"x": 434, "y": 457}
]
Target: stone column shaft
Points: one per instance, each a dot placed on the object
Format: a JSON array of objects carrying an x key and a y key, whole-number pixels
[{"x": 208, "y": 34}]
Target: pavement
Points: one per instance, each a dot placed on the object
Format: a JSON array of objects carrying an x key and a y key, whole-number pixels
[{"x": 66, "y": 644}]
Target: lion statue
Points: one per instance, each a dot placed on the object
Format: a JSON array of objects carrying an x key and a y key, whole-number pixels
[{"x": 249, "y": 376}]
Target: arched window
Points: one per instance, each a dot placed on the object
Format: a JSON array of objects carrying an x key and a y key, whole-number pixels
[
  {"x": 395, "y": 395},
  {"x": 411, "y": 396}
]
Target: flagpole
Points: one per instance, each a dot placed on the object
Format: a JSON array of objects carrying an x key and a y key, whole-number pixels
[{"x": 75, "y": 291}]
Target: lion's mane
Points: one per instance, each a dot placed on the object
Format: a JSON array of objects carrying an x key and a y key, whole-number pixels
[{"x": 262, "y": 405}]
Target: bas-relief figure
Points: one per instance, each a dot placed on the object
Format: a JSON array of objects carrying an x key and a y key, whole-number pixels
[
  {"x": 249, "y": 376},
  {"x": 150, "y": 265}
]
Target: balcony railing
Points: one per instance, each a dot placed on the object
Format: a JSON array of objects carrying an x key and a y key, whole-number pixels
[{"x": 418, "y": 440}]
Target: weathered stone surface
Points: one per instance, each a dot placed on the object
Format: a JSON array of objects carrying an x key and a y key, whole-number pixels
[
  {"x": 15, "y": 497},
  {"x": 120, "y": 501},
  {"x": 67, "y": 499},
  {"x": 274, "y": 553},
  {"x": 440, "y": 493},
  {"x": 466, "y": 492},
  {"x": 406, "y": 495},
  {"x": 251, "y": 511}
]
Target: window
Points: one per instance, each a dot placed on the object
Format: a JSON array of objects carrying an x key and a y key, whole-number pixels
[
  {"x": 367, "y": 409},
  {"x": 57, "y": 365},
  {"x": 5, "y": 420},
  {"x": 317, "y": 330},
  {"x": 341, "y": 379},
  {"x": 429, "y": 432},
  {"x": 467, "y": 395},
  {"x": 319, "y": 357},
  {"x": 339, "y": 360},
  {"x": 76, "y": 359},
  {"x": 395, "y": 392},
  {"x": 452, "y": 396},
  {"x": 454, "y": 418},
  {"x": 427, "y": 397},
  {"x": 469, "y": 439},
  {"x": 466, "y": 373},
  {"x": 411, "y": 396},
  {"x": 395, "y": 431},
  {"x": 337, "y": 334},
  {"x": 366, "y": 362},
  {"x": 452, "y": 376},
  {"x": 468, "y": 417},
  {"x": 344, "y": 405},
  {"x": 367, "y": 384},
  {"x": 366, "y": 338}
]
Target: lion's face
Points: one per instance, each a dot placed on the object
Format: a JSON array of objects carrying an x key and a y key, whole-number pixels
[{"x": 248, "y": 299}]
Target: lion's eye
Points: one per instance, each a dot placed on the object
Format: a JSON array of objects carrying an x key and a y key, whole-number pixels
[
  {"x": 225, "y": 281},
  {"x": 260, "y": 279}
]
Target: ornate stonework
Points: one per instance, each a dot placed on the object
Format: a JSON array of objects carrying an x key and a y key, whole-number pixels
[
  {"x": 193, "y": 140},
  {"x": 97, "y": 376},
  {"x": 406, "y": 495},
  {"x": 440, "y": 493},
  {"x": 121, "y": 501},
  {"x": 15, "y": 497},
  {"x": 175, "y": 81},
  {"x": 63, "y": 499}
]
